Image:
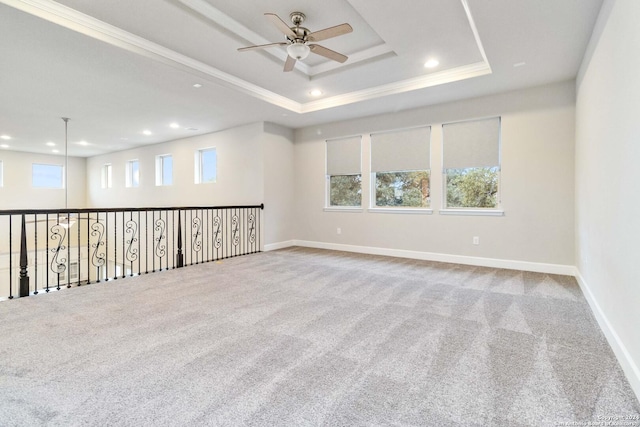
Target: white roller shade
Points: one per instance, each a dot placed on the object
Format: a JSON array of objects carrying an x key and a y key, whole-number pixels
[
  {"x": 472, "y": 144},
  {"x": 343, "y": 156},
  {"x": 404, "y": 150}
]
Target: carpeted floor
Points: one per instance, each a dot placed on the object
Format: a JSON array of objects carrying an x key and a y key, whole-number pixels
[{"x": 301, "y": 337}]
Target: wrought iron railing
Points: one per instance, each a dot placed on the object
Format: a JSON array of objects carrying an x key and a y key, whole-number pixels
[{"x": 43, "y": 250}]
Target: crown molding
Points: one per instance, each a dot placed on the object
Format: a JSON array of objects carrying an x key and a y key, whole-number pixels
[{"x": 92, "y": 27}]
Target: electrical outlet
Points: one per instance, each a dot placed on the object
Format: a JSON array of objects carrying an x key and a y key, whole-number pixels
[
  {"x": 476, "y": 240},
  {"x": 339, "y": 230}
]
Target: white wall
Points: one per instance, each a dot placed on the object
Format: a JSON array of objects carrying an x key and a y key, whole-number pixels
[
  {"x": 239, "y": 172},
  {"x": 18, "y": 193},
  {"x": 607, "y": 184},
  {"x": 537, "y": 187},
  {"x": 254, "y": 165}
]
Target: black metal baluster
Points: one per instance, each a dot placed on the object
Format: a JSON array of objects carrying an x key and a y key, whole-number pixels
[
  {"x": 106, "y": 245},
  {"x": 79, "y": 263},
  {"x": 115, "y": 245},
  {"x": 153, "y": 237},
  {"x": 10, "y": 257},
  {"x": 68, "y": 233},
  {"x": 124, "y": 260},
  {"x": 88, "y": 248},
  {"x": 35, "y": 248},
  {"x": 139, "y": 251},
  {"x": 57, "y": 252},
  {"x": 179, "y": 255}
]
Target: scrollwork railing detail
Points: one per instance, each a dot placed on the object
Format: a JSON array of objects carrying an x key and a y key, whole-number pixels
[
  {"x": 160, "y": 227},
  {"x": 58, "y": 262},
  {"x": 197, "y": 234},
  {"x": 131, "y": 228},
  {"x": 217, "y": 232},
  {"x": 235, "y": 230},
  {"x": 98, "y": 259}
]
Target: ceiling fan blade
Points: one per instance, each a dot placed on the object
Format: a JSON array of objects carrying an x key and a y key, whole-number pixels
[
  {"x": 261, "y": 46},
  {"x": 327, "y": 33},
  {"x": 289, "y": 64},
  {"x": 327, "y": 53},
  {"x": 280, "y": 25}
]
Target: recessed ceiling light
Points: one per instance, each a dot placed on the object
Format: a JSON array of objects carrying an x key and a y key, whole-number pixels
[
  {"x": 51, "y": 144},
  {"x": 4, "y": 146},
  {"x": 54, "y": 151},
  {"x": 146, "y": 132},
  {"x": 5, "y": 137},
  {"x": 432, "y": 63},
  {"x": 83, "y": 143},
  {"x": 174, "y": 126},
  {"x": 519, "y": 64},
  {"x": 315, "y": 92},
  {"x": 197, "y": 85}
]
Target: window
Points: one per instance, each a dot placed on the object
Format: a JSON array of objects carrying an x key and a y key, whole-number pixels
[
  {"x": 164, "y": 170},
  {"x": 46, "y": 176},
  {"x": 133, "y": 174},
  {"x": 107, "y": 175},
  {"x": 206, "y": 166},
  {"x": 344, "y": 175},
  {"x": 400, "y": 168},
  {"x": 471, "y": 158}
]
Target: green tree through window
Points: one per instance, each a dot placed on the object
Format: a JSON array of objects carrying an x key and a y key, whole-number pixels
[
  {"x": 345, "y": 190},
  {"x": 472, "y": 187}
]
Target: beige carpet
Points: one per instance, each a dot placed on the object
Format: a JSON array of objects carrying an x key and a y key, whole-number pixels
[{"x": 301, "y": 337}]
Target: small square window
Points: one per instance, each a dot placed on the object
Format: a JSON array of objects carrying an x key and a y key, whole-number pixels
[{"x": 47, "y": 176}]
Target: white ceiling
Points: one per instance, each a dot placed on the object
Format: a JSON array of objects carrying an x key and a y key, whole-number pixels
[{"x": 119, "y": 67}]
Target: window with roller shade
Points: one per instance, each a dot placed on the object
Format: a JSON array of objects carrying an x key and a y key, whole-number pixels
[
  {"x": 471, "y": 162},
  {"x": 401, "y": 167},
  {"x": 344, "y": 174}
]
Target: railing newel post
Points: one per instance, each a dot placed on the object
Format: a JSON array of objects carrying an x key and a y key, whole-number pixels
[
  {"x": 24, "y": 275},
  {"x": 179, "y": 254}
]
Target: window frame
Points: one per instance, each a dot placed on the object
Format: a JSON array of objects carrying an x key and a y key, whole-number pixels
[
  {"x": 62, "y": 176},
  {"x": 199, "y": 166},
  {"x": 129, "y": 174},
  {"x": 373, "y": 206},
  {"x": 160, "y": 169},
  {"x": 106, "y": 175},
  {"x": 327, "y": 203},
  {"x": 468, "y": 210}
]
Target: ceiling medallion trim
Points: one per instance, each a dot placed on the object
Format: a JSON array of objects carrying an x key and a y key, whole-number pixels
[{"x": 92, "y": 27}]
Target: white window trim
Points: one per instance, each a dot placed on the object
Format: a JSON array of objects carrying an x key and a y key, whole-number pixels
[
  {"x": 107, "y": 175},
  {"x": 160, "y": 170},
  {"x": 198, "y": 166},
  {"x": 354, "y": 209},
  {"x": 63, "y": 182},
  {"x": 129, "y": 174},
  {"x": 472, "y": 212},
  {"x": 401, "y": 210}
]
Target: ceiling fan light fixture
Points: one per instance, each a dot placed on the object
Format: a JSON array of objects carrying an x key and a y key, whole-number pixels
[{"x": 298, "y": 50}]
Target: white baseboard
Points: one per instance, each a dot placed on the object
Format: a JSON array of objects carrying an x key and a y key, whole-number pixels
[
  {"x": 278, "y": 245},
  {"x": 568, "y": 270},
  {"x": 619, "y": 349}
]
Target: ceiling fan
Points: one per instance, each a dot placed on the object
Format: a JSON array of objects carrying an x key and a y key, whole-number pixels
[{"x": 298, "y": 39}]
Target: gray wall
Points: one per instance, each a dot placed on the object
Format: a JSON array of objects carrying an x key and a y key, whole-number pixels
[
  {"x": 537, "y": 187},
  {"x": 607, "y": 184}
]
